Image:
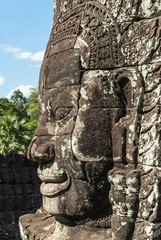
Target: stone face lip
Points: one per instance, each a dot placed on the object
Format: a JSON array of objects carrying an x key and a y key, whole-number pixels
[
  {"x": 49, "y": 176},
  {"x": 52, "y": 189},
  {"x": 53, "y": 182}
]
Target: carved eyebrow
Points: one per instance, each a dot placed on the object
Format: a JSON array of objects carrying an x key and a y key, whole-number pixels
[
  {"x": 63, "y": 82},
  {"x": 63, "y": 107}
]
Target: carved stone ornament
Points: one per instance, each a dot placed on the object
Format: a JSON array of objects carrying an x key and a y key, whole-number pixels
[{"x": 99, "y": 133}]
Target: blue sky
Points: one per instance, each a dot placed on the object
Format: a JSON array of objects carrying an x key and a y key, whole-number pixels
[{"x": 25, "y": 27}]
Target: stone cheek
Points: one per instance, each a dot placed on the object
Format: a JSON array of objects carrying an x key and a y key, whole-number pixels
[
  {"x": 98, "y": 90},
  {"x": 95, "y": 133}
]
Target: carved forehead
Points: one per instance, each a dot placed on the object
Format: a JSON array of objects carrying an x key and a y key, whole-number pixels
[{"x": 62, "y": 69}]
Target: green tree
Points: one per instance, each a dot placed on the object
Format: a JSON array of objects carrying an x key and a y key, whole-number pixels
[
  {"x": 7, "y": 107},
  {"x": 13, "y": 135},
  {"x": 32, "y": 104},
  {"x": 31, "y": 126},
  {"x": 19, "y": 100},
  {"x": 18, "y": 121},
  {"x": 32, "y": 110}
]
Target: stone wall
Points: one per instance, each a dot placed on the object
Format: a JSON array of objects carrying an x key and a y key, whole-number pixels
[{"x": 19, "y": 193}]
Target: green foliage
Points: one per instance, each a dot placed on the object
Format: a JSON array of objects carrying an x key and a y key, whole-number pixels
[
  {"x": 7, "y": 108},
  {"x": 18, "y": 98},
  {"x": 13, "y": 134},
  {"x": 18, "y": 121},
  {"x": 32, "y": 104},
  {"x": 31, "y": 126},
  {"x": 20, "y": 103}
]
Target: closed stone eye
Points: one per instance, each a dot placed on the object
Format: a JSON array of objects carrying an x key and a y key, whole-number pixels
[{"x": 62, "y": 112}]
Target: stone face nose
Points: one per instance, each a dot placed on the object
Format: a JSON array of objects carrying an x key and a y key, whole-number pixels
[{"x": 41, "y": 150}]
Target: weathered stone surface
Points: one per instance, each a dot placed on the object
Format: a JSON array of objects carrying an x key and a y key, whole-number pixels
[
  {"x": 56, "y": 113},
  {"x": 124, "y": 197},
  {"x": 145, "y": 230},
  {"x": 63, "y": 68},
  {"x": 18, "y": 193},
  {"x": 6, "y": 175},
  {"x": 96, "y": 134},
  {"x": 98, "y": 90},
  {"x": 150, "y": 198},
  {"x": 122, "y": 227},
  {"x": 98, "y": 139},
  {"x": 43, "y": 226}
]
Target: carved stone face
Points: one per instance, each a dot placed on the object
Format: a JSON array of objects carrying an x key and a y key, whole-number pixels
[
  {"x": 99, "y": 95},
  {"x": 73, "y": 140},
  {"x": 87, "y": 117}
]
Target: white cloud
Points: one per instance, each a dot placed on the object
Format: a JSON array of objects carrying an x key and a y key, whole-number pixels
[
  {"x": 18, "y": 53},
  {"x": 38, "y": 56},
  {"x": 12, "y": 50},
  {"x": 1, "y": 80},
  {"x": 24, "y": 55},
  {"x": 24, "y": 89}
]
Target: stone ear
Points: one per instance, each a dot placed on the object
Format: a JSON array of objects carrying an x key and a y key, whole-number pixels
[
  {"x": 126, "y": 119},
  {"x": 124, "y": 90}
]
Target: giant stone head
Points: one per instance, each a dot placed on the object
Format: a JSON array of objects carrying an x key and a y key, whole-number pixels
[
  {"x": 98, "y": 102},
  {"x": 73, "y": 141}
]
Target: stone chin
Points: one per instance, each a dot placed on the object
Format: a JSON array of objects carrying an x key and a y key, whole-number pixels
[{"x": 77, "y": 202}]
